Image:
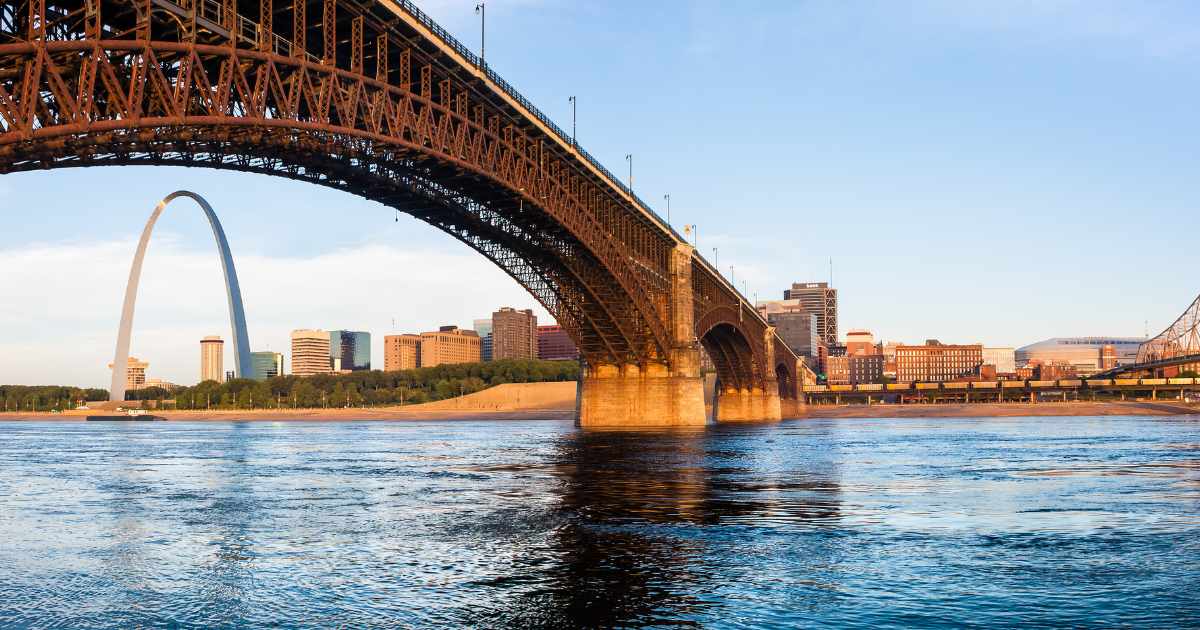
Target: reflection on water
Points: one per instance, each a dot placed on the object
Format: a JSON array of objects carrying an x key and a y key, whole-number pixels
[{"x": 862, "y": 523}]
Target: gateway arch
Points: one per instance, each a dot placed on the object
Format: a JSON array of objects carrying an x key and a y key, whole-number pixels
[{"x": 237, "y": 315}]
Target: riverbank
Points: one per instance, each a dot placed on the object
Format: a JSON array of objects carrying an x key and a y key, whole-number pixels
[
  {"x": 556, "y": 401},
  {"x": 1002, "y": 410},
  {"x": 511, "y": 401}
]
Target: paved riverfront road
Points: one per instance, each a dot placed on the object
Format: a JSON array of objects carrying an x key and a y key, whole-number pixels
[{"x": 868, "y": 523}]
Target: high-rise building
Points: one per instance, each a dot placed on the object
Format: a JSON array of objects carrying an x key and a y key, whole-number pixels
[
  {"x": 936, "y": 362},
  {"x": 135, "y": 373},
  {"x": 485, "y": 347},
  {"x": 450, "y": 344},
  {"x": 401, "y": 352},
  {"x": 860, "y": 343},
  {"x": 554, "y": 344},
  {"x": 821, "y": 300},
  {"x": 349, "y": 351},
  {"x": 212, "y": 359},
  {"x": 310, "y": 352},
  {"x": 266, "y": 365},
  {"x": 1004, "y": 359},
  {"x": 514, "y": 334},
  {"x": 483, "y": 328}
]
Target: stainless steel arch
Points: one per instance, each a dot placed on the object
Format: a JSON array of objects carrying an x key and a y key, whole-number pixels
[{"x": 237, "y": 315}]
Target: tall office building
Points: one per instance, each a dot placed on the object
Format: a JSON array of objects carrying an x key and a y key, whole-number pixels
[
  {"x": 821, "y": 300},
  {"x": 449, "y": 344},
  {"x": 401, "y": 352},
  {"x": 135, "y": 374},
  {"x": 514, "y": 334},
  {"x": 310, "y": 352},
  {"x": 483, "y": 328},
  {"x": 554, "y": 344},
  {"x": 212, "y": 359},
  {"x": 349, "y": 351},
  {"x": 266, "y": 365}
]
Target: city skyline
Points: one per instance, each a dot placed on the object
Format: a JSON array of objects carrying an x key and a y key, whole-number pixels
[{"x": 969, "y": 195}]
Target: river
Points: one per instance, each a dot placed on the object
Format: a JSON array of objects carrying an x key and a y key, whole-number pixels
[{"x": 855, "y": 523}]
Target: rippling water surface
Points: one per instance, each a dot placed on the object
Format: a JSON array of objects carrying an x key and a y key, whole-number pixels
[{"x": 1049, "y": 521}]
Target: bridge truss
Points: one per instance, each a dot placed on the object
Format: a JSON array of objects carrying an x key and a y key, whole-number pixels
[
  {"x": 373, "y": 98},
  {"x": 1180, "y": 340}
]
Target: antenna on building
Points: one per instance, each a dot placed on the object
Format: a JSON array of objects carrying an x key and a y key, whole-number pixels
[{"x": 831, "y": 271}]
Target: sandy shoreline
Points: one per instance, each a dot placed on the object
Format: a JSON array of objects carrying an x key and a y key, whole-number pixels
[{"x": 555, "y": 408}]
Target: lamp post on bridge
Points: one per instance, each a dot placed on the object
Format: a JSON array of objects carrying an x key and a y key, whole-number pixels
[
  {"x": 667, "y": 197},
  {"x": 573, "y": 141},
  {"x": 629, "y": 158},
  {"x": 717, "y": 260},
  {"x": 481, "y": 11}
]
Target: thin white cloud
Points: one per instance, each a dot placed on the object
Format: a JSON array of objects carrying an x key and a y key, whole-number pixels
[{"x": 62, "y": 302}]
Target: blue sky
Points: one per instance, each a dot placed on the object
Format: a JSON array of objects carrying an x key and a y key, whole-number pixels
[{"x": 978, "y": 170}]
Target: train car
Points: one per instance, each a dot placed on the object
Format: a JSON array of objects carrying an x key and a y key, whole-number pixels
[
  {"x": 1012, "y": 384},
  {"x": 812, "y": 389},
  {"x": 985, "y": 385},
  {"x": 1126, "y": 381},
  {"x": 1041, "y": 383},
  {"x": 899, "y": 387},
  {"x": 1099, "y": 382},
  {"x": 929, "y": 385},
  {"x": 1182, "y": 381},
  {"x": 841, "y": 388},
  {"x": 1154, "y": 381},
  {"x": 955, "y": 385},
  {"x": 869, "y": 387},
  {"x": 1070, "y": 383}
]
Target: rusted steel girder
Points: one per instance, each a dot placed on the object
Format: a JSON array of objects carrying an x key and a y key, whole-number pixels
[
  {"x": 196, "y": 82},
  {"x": 50, "y": 125}
]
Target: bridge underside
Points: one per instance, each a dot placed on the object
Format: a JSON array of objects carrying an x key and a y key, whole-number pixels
[{"x": 374, "y": 99}]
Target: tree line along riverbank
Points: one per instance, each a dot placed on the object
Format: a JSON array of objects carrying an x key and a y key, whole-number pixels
[{"x": 354, "y": 389}]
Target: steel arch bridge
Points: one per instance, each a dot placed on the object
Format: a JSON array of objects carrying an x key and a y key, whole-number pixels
[{"x": 374, "y": 98}]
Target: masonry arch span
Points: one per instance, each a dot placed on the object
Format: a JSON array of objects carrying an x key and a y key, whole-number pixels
[
  {"x": 732, "y": 351},
  {"x": 233, "y": 291}
]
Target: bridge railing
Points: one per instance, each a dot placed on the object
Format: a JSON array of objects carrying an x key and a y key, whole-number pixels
[{"x": 512, "y": 92}]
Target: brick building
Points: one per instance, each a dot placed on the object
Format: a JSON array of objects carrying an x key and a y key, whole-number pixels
[
  {"x": 401, "y": 352},
  {"x": 937, "y": 362},
  {"x": 514, "y": 334},
  {"x": 449, "y": 344}
]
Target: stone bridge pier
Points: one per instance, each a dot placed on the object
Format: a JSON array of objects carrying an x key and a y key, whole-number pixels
[
  {"x": 668, "y": 393},
  {"x": 671, "y": 392}
]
